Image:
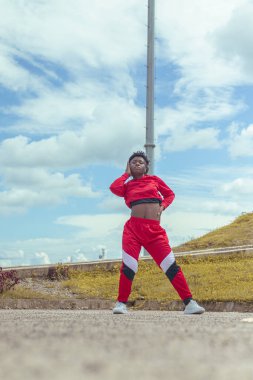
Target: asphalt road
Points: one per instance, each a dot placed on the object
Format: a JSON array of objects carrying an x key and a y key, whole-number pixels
[{"x": 88, "y": 344}]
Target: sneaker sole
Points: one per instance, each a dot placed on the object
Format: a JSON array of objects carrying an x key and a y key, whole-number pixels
[
  {"x": 195, "y": 312},
  {"x": 119, "y": 312}
]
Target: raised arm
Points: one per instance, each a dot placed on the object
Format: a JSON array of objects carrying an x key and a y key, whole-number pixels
[{"x": 118, "y": 186}]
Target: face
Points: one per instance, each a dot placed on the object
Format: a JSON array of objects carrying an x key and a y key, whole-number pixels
[{"x": 138, "y": 166}]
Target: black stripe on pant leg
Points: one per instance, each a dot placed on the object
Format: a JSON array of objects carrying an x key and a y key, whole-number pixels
[
  {"x": 172, "y": 271},
  {"x": 128, "y": 272}
]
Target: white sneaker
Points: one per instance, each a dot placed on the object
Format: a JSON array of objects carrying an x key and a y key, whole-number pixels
[
  {"x": 193, "y": 308},
  {"x": 120, "y": 308}
]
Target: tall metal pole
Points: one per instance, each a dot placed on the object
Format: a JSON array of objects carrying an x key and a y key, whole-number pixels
[{"x": 150, "y": 146}]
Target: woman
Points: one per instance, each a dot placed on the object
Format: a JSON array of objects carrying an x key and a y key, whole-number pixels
[{"x": 148, "y": 196}]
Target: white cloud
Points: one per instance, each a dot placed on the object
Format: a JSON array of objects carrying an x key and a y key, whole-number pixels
[
  {"x": 57, "y": 250},
  {"x": 101, "y": 140},
  {"x": 241, "y": 141},
  {"x": 190, "y": 38},
  {"x": 117, "y": 204},
  {"x": 97, "y": 87},
  {"x": 78, "y": 256},
  {"x": 182, "y": 139},
  {"x": 234, "y": 42},
  {"x": 215, "y": 190},
  {"x": 187, "y": 34},
  {"x": 196, "y": 109},
  {"x": 43, "y": 257},
  {"x": 96, "y": 231},
  {"x": 57, "y": 31},
  {"x": 94, "y": 226},
  {"x": 182, "y": 226},
  {"x": 30, "y": 168},
  {"x": 188, "y": 31},
  {"x": 239, "y": 187},
  {"x": 220, "y": 205},
  {"x": 10, "y": 255},
  {"x": 74, "y": 105},
  {"x": 15, "y": 77},
  {"x": 27, "y": 188},
  {"x": 92, "y": 233}
]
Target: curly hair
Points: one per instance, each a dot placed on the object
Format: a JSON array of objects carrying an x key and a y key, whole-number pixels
[{"x": 139, "y": 153}]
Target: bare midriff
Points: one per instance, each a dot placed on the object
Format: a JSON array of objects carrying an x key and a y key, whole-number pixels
[{"x": 147, "y": 211}]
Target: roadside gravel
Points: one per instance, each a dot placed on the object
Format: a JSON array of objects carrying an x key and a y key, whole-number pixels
[{"x": 47, "y": 287}]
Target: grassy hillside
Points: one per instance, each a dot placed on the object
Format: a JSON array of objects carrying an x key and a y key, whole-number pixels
[
  {"x": 211, "y": 278},
  {"x": 239, "y": 232}
]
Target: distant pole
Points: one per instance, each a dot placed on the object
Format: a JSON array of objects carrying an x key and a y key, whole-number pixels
[{"x": 150, "y": 145}]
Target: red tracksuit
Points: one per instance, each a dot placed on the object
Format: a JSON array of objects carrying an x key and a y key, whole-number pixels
[{"x": 148, "y": 233}]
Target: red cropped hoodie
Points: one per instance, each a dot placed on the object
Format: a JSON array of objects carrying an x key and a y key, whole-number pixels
[{"x": 148, "y": 186}]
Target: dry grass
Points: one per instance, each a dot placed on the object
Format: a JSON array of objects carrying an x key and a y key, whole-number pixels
[
  {"x": 237, "y": 233},
  {"x": 19, "y": 292},
  {"x": 213, "y": 278}
]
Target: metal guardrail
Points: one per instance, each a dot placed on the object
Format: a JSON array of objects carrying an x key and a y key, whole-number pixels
[
  {"x": 42, "y": 270},
  {"x": 239, "y": 248}
]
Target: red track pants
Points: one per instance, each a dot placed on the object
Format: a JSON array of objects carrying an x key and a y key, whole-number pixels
[{"x": 148, "y": 233}]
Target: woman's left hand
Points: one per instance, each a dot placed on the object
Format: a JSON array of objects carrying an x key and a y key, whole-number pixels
[{"x": 159, "y": 213}]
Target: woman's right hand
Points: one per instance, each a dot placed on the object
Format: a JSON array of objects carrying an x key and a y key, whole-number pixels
[{"x": 128, "y": 170}]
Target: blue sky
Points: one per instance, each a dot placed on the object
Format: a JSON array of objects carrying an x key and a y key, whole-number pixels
[{"x": 72, "y": 110}]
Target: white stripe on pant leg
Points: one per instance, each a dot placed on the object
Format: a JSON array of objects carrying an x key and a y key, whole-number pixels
[
  {"x": 167, "y": 262},
  {"x": 130, "y": 261}
]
